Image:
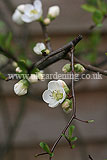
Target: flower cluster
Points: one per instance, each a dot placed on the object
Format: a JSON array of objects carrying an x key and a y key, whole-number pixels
[
  {"x": 27, "y": 13},
  {"x": 21, "y": 87},
  {"x": 78, "y": 68}
]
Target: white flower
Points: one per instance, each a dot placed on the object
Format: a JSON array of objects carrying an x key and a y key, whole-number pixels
[
  {"x": 54, "y": 95},
  {"x": 33, "y": 78},
  {"x": 18, "y": 70},
  {"x": 17, "y": 17},
  {"x": 32, "y": 12},
  {"x": 21, "y": 87},
  {"x": 54, "y": 11},
  {"x": 39, "y": 48}
]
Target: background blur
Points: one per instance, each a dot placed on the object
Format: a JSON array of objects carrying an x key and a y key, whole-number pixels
[{"x": 26, "y": 121}]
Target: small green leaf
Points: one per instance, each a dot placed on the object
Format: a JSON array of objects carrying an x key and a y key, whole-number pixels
[
  {"x": 70, "y": 131},
  {"x": 73, "y": 139},
  {"x": 45, "y": 147},
  {"x": 2, "y": 76},
  {"x": 35, "y": 70},
  {"x": 97, "y": 17},
  {"x": 73, "y": 146},
  {"x": 88, "y": 8},
  {"x": 90, "y": 121},
  {"x": 8, "y": 40},
  {"x": 22, "y": 66},
  {"x": 51, "y": 154},
  {"x": 106, "y": 54}
]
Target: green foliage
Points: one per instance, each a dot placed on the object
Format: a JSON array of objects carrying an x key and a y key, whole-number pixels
[
  {"x": 70, "y": 136},
  {"x": 88, "y": 8},
  {"x": 97, "y": 18},
  {"x": 22, "y": 66},
  {"x": 46, "y": 148},
  {"x": 70, "y": 131},
  {"x": 98, "y": 8},
  {"x": 90, "y": 121},
  {"x": 35, "y": 70},
  {"x": 2, "y": 76},
  {"x": 88, "y": 48}
]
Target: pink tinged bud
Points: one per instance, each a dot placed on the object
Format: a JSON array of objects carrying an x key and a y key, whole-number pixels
[{"x": 47, "y": 21}]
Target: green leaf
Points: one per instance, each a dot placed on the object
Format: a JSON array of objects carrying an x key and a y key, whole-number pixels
[
  {"x": 90, "y": 121},
  {"x": 73, "y": 146},
  {"x": 73, "y": 139},
  {"x": 89, "y": 8},
  {"x": 22, "y": 66},
  {"x": 8, "y": 40},
  {"x": 102, "y": 6},
  {"x": 45, "y": 147},
  {"x": 106, "y": 54},
  {"x": 2, "y": 76},
  {"x": 70, "y": 131},
  {"x": 97, "y": 17}
]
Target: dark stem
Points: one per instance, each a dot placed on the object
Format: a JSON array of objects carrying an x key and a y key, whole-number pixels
[
  {"x": 72, "y": 83},
  {"x": 74, "y": 105},
  {"x": 90, "y": 158},
  {"x": 81, "y": 120},
  {"x": 91, "y": 68},
  {"x": 46, "y": 37}
]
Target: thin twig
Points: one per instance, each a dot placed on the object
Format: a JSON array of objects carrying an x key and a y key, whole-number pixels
[
  {"x": 8, "y": 54},
  {"x": 46, "y": 37},
  {"x": 91, "y": 68},
  {"x": 90, "y": 158},
  {"x": 74, "y": 105}
]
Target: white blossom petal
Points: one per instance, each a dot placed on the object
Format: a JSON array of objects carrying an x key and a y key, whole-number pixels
[
  {"x": 37, "y": 5},
  {"x": 54, "y": 85},
  {"x": 21, "y": 8},
  {"x": 47, "y": 96},
  {"x": 17, "y": 17},
  {"x": 27, "y": 19},
  {"x": 28, "y": 8},
  {"x": 39, "y": 48},
  {"x": 54, "y": 104}
]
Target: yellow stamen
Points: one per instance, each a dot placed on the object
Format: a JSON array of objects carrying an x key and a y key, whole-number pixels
[{"x": 33, "y": 11}]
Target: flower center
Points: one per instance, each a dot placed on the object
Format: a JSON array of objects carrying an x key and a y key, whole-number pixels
[
  {"x": 57, "y": 95},
  {"x": 33, "y": 11}
]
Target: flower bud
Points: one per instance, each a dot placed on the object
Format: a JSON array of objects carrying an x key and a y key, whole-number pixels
[
  {"x": 21, "y": 87},
  {"x": 39, "y": 48},
  {"x": 33, "y": 78},
  {"x": 53, "y": 12},
  {"x": 21, "y": 8},
  {"x": 66, "y": 68},
  {"x": 79, "y": 68},
  {"x": 63, "y": 84},
  {"x": 67, "y": 106},
  {"x": 17, "y": 17},
  {"x": 47, "y": 51},
  {"x": 47, "y": 21},
  {"x": 3, "y": 59},
  {"x": 14, "y": 64},
  {"x": 18, "y": 70}
]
